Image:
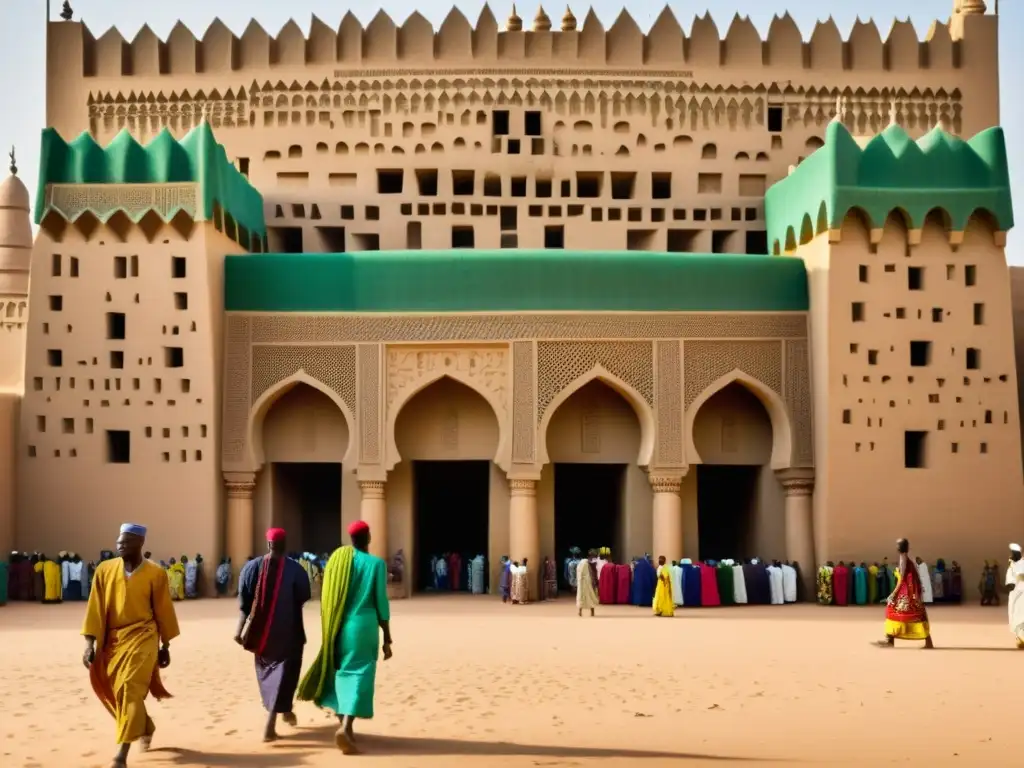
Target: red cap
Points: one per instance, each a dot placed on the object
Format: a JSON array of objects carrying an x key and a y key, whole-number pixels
[
  {"x": 359, "y": 526},
  {"x": 275, "y": 535}
]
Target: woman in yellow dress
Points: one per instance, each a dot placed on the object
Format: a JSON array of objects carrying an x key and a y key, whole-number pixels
[
  {"x": 176, "y": 578},
  {"x": 664, "y": 605}
]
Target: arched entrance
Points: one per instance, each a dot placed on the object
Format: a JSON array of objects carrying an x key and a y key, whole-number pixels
[
  {"x": 740, "y": 504},
  {"x": 593, "y": 493},
  {"x": 303, "y": 438},
  {"x": 440, "y": 492}
]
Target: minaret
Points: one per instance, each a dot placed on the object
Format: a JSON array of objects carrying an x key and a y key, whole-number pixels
[
  {"x": 15, "y": 259},
  {"x": 568, "y": 20},
  {"x": 514, "y": 23}
]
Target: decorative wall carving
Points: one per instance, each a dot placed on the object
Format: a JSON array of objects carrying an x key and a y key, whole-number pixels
[
  {"x": 798, "y": 400},
  {"x": 559, "y": 363},
  {"x": 704, "y": 362},
  {"x": 668, "y": 386},
  {"x": 237, "y": 404},
  {"x": 486, "y": 369},
  {"x": 369, "y": 421},
  {"x": 312, "y": 329},
  {"x": 524, "y": 416},
  {"x": 335, "y": 366},
  {"x": 135, "y": 200}
]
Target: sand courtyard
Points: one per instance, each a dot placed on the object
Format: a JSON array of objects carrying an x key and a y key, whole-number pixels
[{"x": 473, "y": 682}]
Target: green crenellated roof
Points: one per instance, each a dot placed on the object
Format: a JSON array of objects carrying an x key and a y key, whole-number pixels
[
  {"x": 197, "y": 158},
  {"x": 892, "y": 171},
  {"x": 513, "y": 280}
]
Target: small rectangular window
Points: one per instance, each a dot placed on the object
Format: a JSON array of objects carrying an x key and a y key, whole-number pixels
[
  {"x": 936, "y": 314},
  {"x": 915, "y": 278},
  {"x": 775, "y": 116},
  {"x": 55, "y": 265},
  {"x": 181, "y": 300},
  {"x": 74, "y": 266},
  {"x": 499, "y": 122},
  {"x": 915, "y": 446},
  {"x": 135, "y": 266},
  {"x": 56, "y": 303},
  {"x": 54, "y": 358},
  {"x": 390, "y": 181},
  {"x": 463, "y": 237},
  {"x": 174, "y": 357},
  {"x": 532, "y": 124},
  {"x": 115, "y": 325},
  {"x": 847, "y": 418},
  {"x": 177, "y": 267},
  {"x": 117, "y": 359},
  {"x": 979, "y": 314},
  {"x": 554, "y": 236},
  {"x": 542, "y": 188},
  {"x": 67, "y": 426},
  {"x": 970, "y": 274},
  {"x": 973, "y": 359},
  {"x": 120, "y": 267},
  {"x": 872, "y": 357},
  {"x": 920, "y": 353},
  {"x": 119, "y": 446},
  {"x": 857, "y": 311},
  {"x": 862, "y": 273}
]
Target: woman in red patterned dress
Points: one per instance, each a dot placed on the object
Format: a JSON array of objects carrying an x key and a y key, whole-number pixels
[{"x": 905, "y": 614}]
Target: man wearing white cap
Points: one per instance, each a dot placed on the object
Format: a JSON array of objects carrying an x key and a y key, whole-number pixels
[
  {"x": 128, "y": 627},
  {"x": 1015, "y": 581}
]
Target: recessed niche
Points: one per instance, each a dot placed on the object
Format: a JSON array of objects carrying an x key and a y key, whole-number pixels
[
  {"x": 180, "y": 300},
  {"x": 915, "y": 449},
  {"x": 119, "y": 446},
  {"x": 857, "y": 311},
  {"x": 847, "y": 417}
]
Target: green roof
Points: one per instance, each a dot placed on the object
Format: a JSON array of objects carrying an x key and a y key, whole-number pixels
[
  {"x": 892, "y": 172},
  {"x": 197, "y": 158},
  {"x": 513, "y": 280}
]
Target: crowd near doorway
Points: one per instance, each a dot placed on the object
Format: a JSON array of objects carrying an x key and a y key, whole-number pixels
[
  {"x": 451, "y": 509},
  {"x": 588, "y": 508}
]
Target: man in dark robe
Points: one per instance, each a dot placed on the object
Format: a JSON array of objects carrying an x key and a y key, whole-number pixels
[
  {"x": 271, "y": 592},
  {"x": 645, "y": 581}
]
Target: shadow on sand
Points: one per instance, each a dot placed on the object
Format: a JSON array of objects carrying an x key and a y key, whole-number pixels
[{"x": 272, "y": 758}]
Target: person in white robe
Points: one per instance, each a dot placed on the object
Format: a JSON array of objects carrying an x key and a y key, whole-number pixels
[
  {"x": 775, "y": 583},
  {"x": 677, "y": 583},
  {"x": 927, "y": 596},
  {"x": 788, "y": 583},
  {"x": 1015, "y": 602},
  {"x": 586, "y": 589},
  {"x": 520, "y": 583},
  {"x": 739, "y": 584}
]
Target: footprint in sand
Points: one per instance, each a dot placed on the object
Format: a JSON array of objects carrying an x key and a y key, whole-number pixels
[{"x": 232, "y": 732}]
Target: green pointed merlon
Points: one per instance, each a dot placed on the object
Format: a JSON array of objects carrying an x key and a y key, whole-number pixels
[
  {"x": 197, "y": 158},
  {"x": 892, "y": 172}
]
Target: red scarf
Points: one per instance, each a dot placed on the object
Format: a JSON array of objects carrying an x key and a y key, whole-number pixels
[{"x": 264, "y": 603}]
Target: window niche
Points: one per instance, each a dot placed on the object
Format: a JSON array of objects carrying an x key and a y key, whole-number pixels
[{"x": 915, "y": 449}]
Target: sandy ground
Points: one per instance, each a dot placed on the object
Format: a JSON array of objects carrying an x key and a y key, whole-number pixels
[{"x": 473, "y": 682}]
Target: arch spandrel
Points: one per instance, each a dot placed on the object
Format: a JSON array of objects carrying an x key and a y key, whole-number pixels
[
  {"x": 255, "y": 456},
  {"x": 782, "y": 430},
  {"x": 483, "y": 370},
  {"x": 644, "y": 412}
]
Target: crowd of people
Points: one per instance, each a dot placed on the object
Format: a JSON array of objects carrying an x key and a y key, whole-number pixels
[
  {"x": 850, "y": 583},
  {"x": 449, "y": 572}
]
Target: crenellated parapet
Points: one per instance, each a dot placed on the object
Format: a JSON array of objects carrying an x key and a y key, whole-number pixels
[
  {"x": 892, "y": 172},
  {"x": 457, "y": 43}
]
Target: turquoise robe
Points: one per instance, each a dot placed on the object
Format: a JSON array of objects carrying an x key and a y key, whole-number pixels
[
  {"x": 860, "y": 585},
  {"x": 357, "y": 647}
]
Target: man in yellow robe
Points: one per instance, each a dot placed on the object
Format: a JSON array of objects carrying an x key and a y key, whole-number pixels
[
  {"x": 664, "y": 605},
  {"x": 129, "y": 616}
]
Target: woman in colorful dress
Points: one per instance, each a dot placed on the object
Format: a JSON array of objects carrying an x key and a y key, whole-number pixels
[
  {"x": 176, "y": 580},
  {"x": 905, "y": 614},
  {"x": 663, "y": 603}
]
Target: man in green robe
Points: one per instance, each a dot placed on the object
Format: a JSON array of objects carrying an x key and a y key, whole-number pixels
[{"x": 354, "y": 604}]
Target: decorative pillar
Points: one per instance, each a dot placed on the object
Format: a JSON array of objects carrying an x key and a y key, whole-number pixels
[
  {"x": 667, "y": 512},
  {"x": 524, "y": 530},
  {"x": 239, "y": 538},
  {"x": 799, "y": 489},
  {"x": 373, "y": 510}
]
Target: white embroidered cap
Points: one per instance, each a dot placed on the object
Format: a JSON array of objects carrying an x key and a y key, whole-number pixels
[{"x": 1015, "y": 547}]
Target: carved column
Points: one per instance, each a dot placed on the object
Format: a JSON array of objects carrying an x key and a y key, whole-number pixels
[
  {"x": 239, "y": 538},
  {"x": 373, "y": 510},
  {"x": 524, "y": 529},
  {"x": 799, "y": 489},
  {"x": 667, "y": 513}
]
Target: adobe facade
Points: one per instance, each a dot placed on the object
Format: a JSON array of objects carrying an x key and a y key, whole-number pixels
[{"x": 380, "y": 248}]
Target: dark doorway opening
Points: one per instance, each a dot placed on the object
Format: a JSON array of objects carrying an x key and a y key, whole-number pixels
[
  {"x": 452, "y": 509},
  {"x": 726, "y": 498},
  {"x": 588, "y": 509},
  {"x": 307, "y": 503}
]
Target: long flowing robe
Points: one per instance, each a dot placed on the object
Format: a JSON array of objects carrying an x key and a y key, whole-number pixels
[
  {"x": 663, "y": 604},
  {"x": 841, "y": 585},
  {"x": 905, "y": 616},
  {"x": 520, "y": 585},
  {"x": 129, "y": 615},
  {"x": 505, "y": 581},
  {"x": 789, "y": 583},
  {"x": 623, "y": 584},
  {"x": 925, "y": 577},
  {"x": 677, "y": 584},
  {"x": 272, "y": 591},
  {"x": 775, "y": 584},
  {"x": 176, "y": 581},
  {"x": 724, "y": 576},
  {"x": 586, "y": 590},
  {"x": 550, "y": 579},
  {"x": 476, "y": 574},
  {"x": 860, "y": 585},
  {"x": 1015, "y": 602},
  {"x": 354, "y": 602},
  {"x": 825, "y": 574},
  {"x": 692, "y": 589},
  {"x": 607, "y": 583},
  {"x": 739, "y": 586},
  {"x": 191, "y": 579},
  {"x": 645, "y": 581},
  {"x": 455, "y": 572},
  {"x": 709, "y": 596}
]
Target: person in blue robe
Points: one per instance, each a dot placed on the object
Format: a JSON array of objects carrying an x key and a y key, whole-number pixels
[
  {"x": 691, "y": 585},
  {"x": 645, "y": 581}
]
